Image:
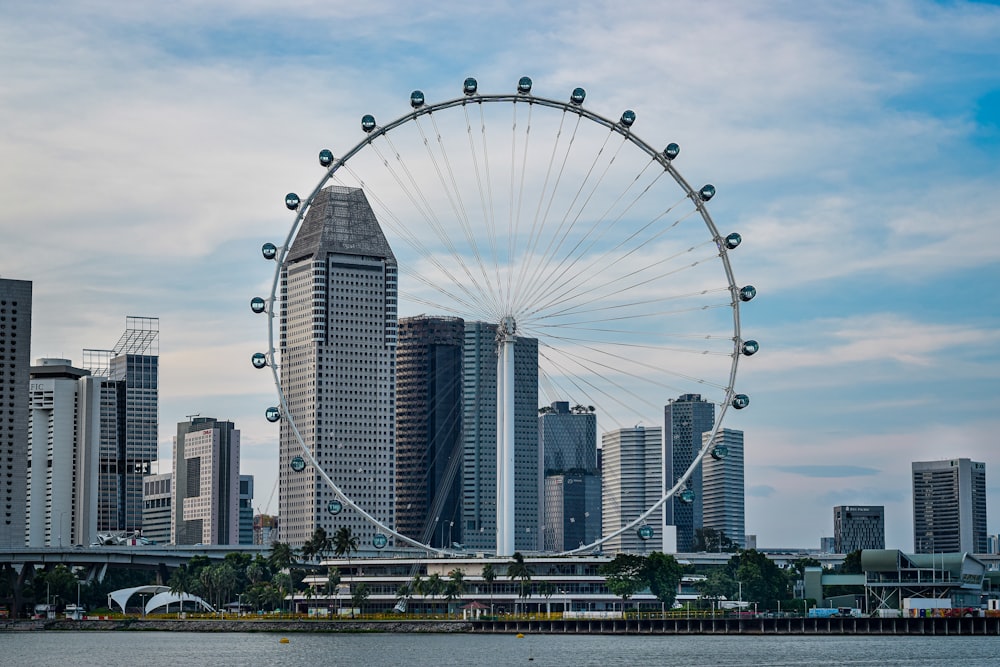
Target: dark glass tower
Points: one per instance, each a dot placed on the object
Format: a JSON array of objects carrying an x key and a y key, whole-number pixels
[
  {"x": 15, "y": 358},
  {"x": 686, "y": 418}
]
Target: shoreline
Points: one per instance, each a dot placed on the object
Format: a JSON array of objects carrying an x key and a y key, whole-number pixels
[{"x": 967, "y": 626}]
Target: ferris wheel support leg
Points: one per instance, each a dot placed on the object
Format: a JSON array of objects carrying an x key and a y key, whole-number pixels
[{"x": 505, "y": 448}]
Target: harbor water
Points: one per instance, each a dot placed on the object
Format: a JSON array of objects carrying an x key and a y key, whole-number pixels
[{"x": 156, "y": 649}]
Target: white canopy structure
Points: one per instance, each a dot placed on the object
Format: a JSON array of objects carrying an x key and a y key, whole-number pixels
[{"x": 161, "y": 596}]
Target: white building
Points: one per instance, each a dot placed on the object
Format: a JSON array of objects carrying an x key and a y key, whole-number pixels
[
  {"x": 949, "y": 506},
  {"x": 63, "y": 454},
  {"x": 338, "y": 356},
  {"x": 206, "y": 481},
  {"x": 632, "y": 482},
  {"x": 722, "y": 486}
]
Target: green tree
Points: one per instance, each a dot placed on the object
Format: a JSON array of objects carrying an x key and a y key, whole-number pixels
[
  {"x": 717, "y": 585},
  {"x": 332, "y": 581},
  {"x": 317, "y": 546},
  {"x": 359, "y": 596},
  {"x": 624, "y": 575},
  {"x": 547, "y": 589},
  {"x": 662, "y": 573},
  {"x": 852, "y": 563},
  {"x": 489, "y": 575},
  {"x": 282, "y": 557},
  {"x": 257, "y": 571},
  {"x": 518, "y": 570},
  {"x": 345, "y": 543},
  {"x": 713, "y": 541},
  {"x": 433, "y": 586},
  {"x": 763, "y": 581}
]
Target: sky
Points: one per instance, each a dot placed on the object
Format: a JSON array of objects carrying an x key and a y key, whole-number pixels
[{"x": 147, "y": 147}]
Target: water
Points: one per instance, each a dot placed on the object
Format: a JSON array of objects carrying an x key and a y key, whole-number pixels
[{"x": 156, "y": 649}]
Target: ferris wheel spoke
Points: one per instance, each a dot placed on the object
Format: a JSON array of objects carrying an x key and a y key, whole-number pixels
[{"x": 576, "y": 372}]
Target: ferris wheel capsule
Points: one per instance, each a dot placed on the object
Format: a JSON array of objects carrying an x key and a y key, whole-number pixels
[
  {"x": 417, "y": 99},
  {"x": 733, "y": 241},
  {"x": 524, "y": 85},
  {"x": 740, "y": 401},
  {"x": 671, "y": 151},
  {"x": 645, "y": 533},
  {"x": 628, "y": 117},
  {"x": 258, "y": 305},
  {"x": 380, "y": 540},
  {"x": 368, "y": 122},
  {"x": 292, "y": 201},
  {"x": 720, "y": 452},
  {"x": 258, "y": 360},
  {"x": 272, "y": 414},
  {"x": 706, "y": 192},
  {"x": 577, "y": 96},
  {"x": 750, "y": 347},
  {"x": 470, "y": 86},
  {"x": 269, "y": 250},
  {"x": 325, "y": 157},
  {"x": 686, "y": 496},
  {"x": 747, "y": 292},
  {"x": 298, "y": 464}
]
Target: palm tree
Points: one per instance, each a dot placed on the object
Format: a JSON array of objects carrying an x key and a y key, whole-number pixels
[
  {"x": 332, "y": 581},
  {"x": 547, "y": 589},
  {"x": 344, "y": 543},
  {"x": 282, "y": 556},
  {"x": 433, "y": 586},
  {"x": 455, "y": 586},
  {"x": 518, "y": 569},
  {"x": 489, "y": 576}
]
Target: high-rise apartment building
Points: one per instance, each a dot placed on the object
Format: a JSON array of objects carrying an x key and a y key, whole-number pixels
[
  {"x": 157, "y": 506},
  {"x": 15, "y": 358},
  {"x": 246, "y": 509},
  {"x": 632, "y": 482},
  {"x": 129, "y": 416},
  {"x": 338, "y": 368},
  {"x": 205, "y": 506},
  {"x": 686, "y": 418},
  {"x": 479, "y": 435},
  {"x": 63, "y": 454},
  {"x": 949, "y": 506},
  {"x": 722, "y": 486},
  {"x": 858, "y": 527},
  {"x": 429, "y": 429},
  {"x": 571, "y": 511}
]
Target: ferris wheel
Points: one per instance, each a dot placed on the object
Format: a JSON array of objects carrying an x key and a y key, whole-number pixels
[{"x": 556, "y": 224}]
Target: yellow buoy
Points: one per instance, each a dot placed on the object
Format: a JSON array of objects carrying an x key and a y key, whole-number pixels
[
  {"x": 283, "y": 640},
  {"x": 520, "y": 636}
]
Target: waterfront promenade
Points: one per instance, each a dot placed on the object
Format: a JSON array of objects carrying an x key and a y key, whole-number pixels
[{"x": 964, "y": 626}]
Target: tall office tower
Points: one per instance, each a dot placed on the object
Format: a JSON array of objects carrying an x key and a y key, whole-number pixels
[
  {"x": 429, "y": 429},
  {"x": 338, "y": 368},
  {"x": 205, "y": 507},
  {"x": 157, "y": 502},
  {"x": 722, "y": 486},
  {"x": 129, "y": 415},
  {"x": 858, "y": 527},
  {"x": 949, "y": 506},
  {"x": 63, "y": 454},
  {"x": 479, "y": 439},
  {"x": 15, "y": 344},
  {"x": 632, "y": 482},
  {"x": 571, "y": 512},
  {"x": 686, "y": 418},
  {"x": 246, "y": 509}
]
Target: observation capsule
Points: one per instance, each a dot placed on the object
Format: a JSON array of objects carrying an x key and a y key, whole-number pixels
[
  {"x": 628, "y": 117},
  {"x": 298, "y": 464},
  {"x": 577, "y": 96},
  {"x": 686, "y": 496},
  {"x": 645, "y": 533},
  {"x": 470, "y": 86},
  {"x": 325, "y": 157},
  {"x": 671, "y": 151},
  {"x": 269, "y": 250},
  {"x": 258, "y": 360},
  {"x": 524, "y": 85},
  {"x": 368, "y": 122},
  {"x": 733, "y": 241},
  {"x": 747, "y": 292},
  {"x": 720, "y": 452},
  {"x": 272, "y": 414},
  {"x": 258, "y": 305},
  {"x": 379, "y": 541},
  {"x": 740, "y": 401},
  {"x": 292, "y": 201},
  {"x": 335, "y": 507},
  {"x": 417, "y": 99},
  {"x": 750, "y": 347},
  {"x": 706, "y": 192}
]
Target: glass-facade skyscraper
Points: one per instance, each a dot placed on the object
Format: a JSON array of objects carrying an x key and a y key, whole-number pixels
[
  {"x": 15, "y": 355},
  {"x": 686, "y": 418},
  {"x": 949, "y": 506},
  {"x": 722, "y": 487}
]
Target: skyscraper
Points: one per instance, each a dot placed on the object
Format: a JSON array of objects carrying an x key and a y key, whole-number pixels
[
  {"x": 686, "y": 418},
  {"x": 129, "y": 415},
  {"x": 858, "y": 527},
  {"x": 949, "y": 506},
  {"x": 722, "y": 486},
  {"x": 429, "y": 429},
  {"x": 479, "y": 437},
  {"x": 338, "y": 368},
  {"x": 631, "y": 483},
  {"x": 571, "y": 512},
  {"x": 15, "y": 355},
  {"x": 205, "y": 504},
  {"x": 63, "y": 454},
  {"x": 246, "y": 509},
  {"x": 157, "y": 506}
]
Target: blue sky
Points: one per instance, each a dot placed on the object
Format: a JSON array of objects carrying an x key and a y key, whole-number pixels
[{"x": 146, "y": 149}]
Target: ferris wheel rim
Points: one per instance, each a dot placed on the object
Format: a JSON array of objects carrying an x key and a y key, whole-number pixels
[{"x": 304, "y": 205}]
